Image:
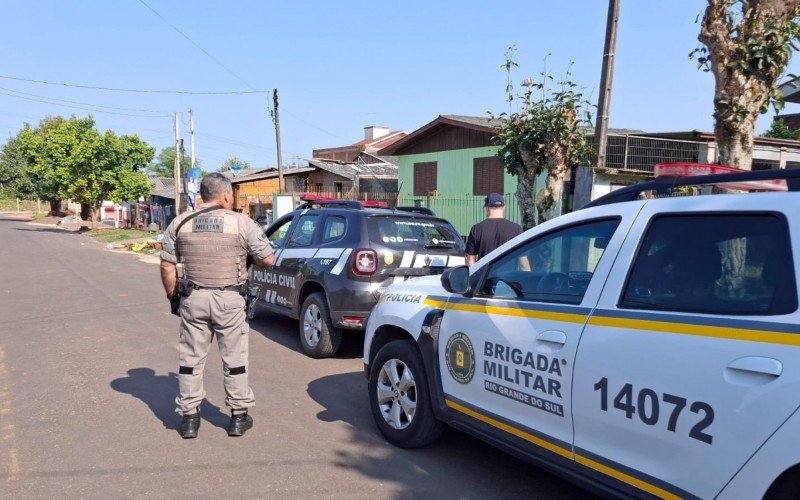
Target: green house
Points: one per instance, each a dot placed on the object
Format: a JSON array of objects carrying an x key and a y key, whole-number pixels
[{"x": 450, "y": 165}]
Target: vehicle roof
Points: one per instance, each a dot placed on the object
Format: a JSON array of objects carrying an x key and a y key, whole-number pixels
[{"x": 369, "y": 212}]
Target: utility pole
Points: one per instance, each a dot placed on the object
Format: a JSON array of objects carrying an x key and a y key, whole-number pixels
[
  {"x": 191, "y": 127},
  {"x": 176, "y": 170},
  {"x": 606, "y": 77},
  {"x": 277, "y": 119}
]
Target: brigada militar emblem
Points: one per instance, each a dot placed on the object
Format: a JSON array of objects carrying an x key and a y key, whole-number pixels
[{"x": 460, "y": 358}]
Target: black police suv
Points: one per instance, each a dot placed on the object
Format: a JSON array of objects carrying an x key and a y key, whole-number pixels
[{"x": 333, "y": 259}]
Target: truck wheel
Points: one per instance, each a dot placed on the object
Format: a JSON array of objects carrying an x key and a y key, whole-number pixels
[
  {"x": 318, "y": 337},
  {"x": 399, "y": 397}
]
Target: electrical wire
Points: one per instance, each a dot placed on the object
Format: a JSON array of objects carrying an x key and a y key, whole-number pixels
[
  {"x": 82, "y": 108},
  {"x": 141, "y": 91},
  {"x": 204, "y": 51},
  {"x": 161, "y": 113}
]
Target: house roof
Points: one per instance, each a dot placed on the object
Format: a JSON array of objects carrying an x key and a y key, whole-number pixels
[
  {"x": 353, "y": 170},
  {"x": 244, "y": 172},
  {"x": 271, "y": 173},
  {"x": 382, "y": 141},
  {"x": 163, "y": 187},
  {"x": 791, "y": 90},
  {"x": 479, "y": 123}
]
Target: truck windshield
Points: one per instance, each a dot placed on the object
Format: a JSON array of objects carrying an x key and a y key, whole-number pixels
[{"x": 409, "y": 233}]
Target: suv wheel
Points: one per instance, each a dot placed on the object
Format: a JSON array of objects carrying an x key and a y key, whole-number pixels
[
  {"x": 399, "y": 397},
  {"x": 318, "y": 337}
]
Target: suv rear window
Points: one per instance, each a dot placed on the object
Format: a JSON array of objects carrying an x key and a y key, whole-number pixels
[
  {"x": 731, "y": 264},
  {"x": 407, "y": 233}
]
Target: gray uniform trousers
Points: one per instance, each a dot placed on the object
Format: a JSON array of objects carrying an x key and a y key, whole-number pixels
[{"x": 204, "y": 315}]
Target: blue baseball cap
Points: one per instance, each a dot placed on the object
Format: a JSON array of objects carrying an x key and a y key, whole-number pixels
[{"x": 494, "y": 200}]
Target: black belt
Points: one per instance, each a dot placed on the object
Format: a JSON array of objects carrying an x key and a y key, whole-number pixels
[{"x": 230, "y": 288}]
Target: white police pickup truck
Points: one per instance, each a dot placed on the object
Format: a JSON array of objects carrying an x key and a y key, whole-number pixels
[{"x": 642, "y": 347}]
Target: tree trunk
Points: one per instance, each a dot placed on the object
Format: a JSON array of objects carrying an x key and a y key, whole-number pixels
[
  {"x": 526, "y": 179},
  {"x": 547, "y": 198},
  {"x": 95, "y": 215},
  {"x": 525, "y": 199},
  {"x": 55, "y": 207}
]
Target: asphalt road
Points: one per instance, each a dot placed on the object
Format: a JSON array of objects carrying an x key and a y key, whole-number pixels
[{"x": 87, "y": 384}]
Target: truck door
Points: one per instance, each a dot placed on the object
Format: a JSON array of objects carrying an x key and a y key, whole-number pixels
[
  {"x": 690, "y": 362},
  {"x": 300, "y": 248},
  {"x": 506, "y": 354},
  {"x": 266, "y": 278}
]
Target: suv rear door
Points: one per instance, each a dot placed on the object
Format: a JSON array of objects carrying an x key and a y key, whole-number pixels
[
  {"x": 690, "y": 360},
  {"x": 414, "y": 246},
  {"x": 300, "y": 247}
]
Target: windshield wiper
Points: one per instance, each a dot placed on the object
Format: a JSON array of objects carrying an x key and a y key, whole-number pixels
[{"x": 438, "y": 245}]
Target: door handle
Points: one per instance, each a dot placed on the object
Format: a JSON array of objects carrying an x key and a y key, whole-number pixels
[
  {"x": 553, "y": 336},
  {"x": 757, "y": 364}
]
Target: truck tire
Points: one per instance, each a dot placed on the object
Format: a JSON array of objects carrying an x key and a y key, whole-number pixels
[
  {"x": 399, "y": 397},
  {"x": 318, "y": 337}
]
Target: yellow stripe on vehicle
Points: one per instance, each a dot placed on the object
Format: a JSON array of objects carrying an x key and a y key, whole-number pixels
[
  {"x": 625, "y": 478},
  {"x": 542, "y": 443},
  {"x": 720, "y": 332},
  {"x": 511, "y": 430},
  {"x": 506, "y": 311}
]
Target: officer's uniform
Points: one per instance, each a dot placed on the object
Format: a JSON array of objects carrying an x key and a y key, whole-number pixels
[{"x": 213, "y": 248}]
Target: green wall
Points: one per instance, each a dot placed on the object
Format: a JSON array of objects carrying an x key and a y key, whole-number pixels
[{"x": 454, "y": 172}]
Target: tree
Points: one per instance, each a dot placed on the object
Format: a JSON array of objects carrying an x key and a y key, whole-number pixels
[
  {"x": 746, "y": 45},
  {"x": 73, "y": 160},
  {"x": 47, "y": 148},
  {"x": 15, "y": 176},
  {"x": 164, "y": 165},
  {"x": 779, "y": 130},
  {"x": 545, "y": 135},
  {"x": 233, "y": 162}
]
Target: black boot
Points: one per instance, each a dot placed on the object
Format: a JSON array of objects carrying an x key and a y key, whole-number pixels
[
  {"x": 189, "y": 425},
  {"x": 239, "y": 424}
]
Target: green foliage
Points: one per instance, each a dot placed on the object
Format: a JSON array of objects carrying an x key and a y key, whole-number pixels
[
  {"x": 779, "y": 130},
  {"x": 15, "y": 179},
  {"x": 164, "y": 164},
  {"x": 757, "y": 45},
  {"x": 233, "y": 161},
  {"x": 69, "y": 158}
]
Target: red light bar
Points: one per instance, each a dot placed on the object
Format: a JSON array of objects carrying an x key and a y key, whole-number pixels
[{"x": 686, "y": 169}]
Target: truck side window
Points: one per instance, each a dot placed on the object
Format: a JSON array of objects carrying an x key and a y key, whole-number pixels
[
  {"x": 556, "y": 267},
  {"x": 278, "y": 234},
  {"x": 731, "y": 264},
  {"x": 335, "y": 226},
  {"x": 304, "y": 232}
]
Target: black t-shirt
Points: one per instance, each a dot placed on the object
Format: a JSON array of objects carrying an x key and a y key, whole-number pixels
[{"x": 487, "y": 235}]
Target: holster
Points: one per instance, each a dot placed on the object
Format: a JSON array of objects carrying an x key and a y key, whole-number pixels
[
  {"x": 175, "y": 304},
  {"x": 185, "y": 287}
]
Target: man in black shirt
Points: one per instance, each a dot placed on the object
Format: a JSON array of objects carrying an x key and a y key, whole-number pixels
[{"x": 494, "y": 231}]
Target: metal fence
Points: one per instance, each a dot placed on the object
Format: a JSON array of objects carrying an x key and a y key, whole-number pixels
[
  {"x": 636, "y": 153},
  {"x": 463, "y": 211}
]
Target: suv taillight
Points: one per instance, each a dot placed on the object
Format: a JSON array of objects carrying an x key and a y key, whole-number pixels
[{"x": 365, "y": 262}]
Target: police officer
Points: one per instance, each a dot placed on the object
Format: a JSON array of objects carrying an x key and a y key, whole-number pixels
[{"x": 212, "y": 244}]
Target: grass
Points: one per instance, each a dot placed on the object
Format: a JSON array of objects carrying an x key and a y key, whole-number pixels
[{"x": 114, "y": 235}]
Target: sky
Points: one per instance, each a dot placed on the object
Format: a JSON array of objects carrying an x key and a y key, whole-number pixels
[{"x": 338, "y": 66}]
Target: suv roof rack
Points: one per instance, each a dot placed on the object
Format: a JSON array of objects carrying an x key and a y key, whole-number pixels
[
  {"x": 416, "y": 210},
  {"x": 355, "y": 205},
  {"x": 665, "y": 186}
]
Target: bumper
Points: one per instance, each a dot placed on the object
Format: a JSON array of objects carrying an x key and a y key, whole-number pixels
[{"x": 351, "y": 306}]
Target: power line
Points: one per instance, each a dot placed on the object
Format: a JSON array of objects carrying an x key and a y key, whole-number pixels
[
  {"x": 141, "y": 91},
  {"x": 80, "y": 107},
  {"x": 204, "y": 51},
  {"x": 161, "y": 113}
]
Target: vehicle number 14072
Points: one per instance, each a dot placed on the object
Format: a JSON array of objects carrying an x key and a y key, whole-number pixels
[{"x": 647, "y": 404}]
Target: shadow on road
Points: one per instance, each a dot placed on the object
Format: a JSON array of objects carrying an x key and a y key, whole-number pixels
[
  {"x": 158, "y": 393},
  {"x": 437, "y": 470},
  {"x": 284, "y": 331},
  {"x": 45, "y": 230}
]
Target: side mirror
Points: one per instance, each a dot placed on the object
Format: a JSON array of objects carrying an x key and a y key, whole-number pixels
[{"x": 456, "y": 280}]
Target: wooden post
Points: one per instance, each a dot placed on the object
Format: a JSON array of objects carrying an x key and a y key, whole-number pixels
[{"x": 17, "y": 204}]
